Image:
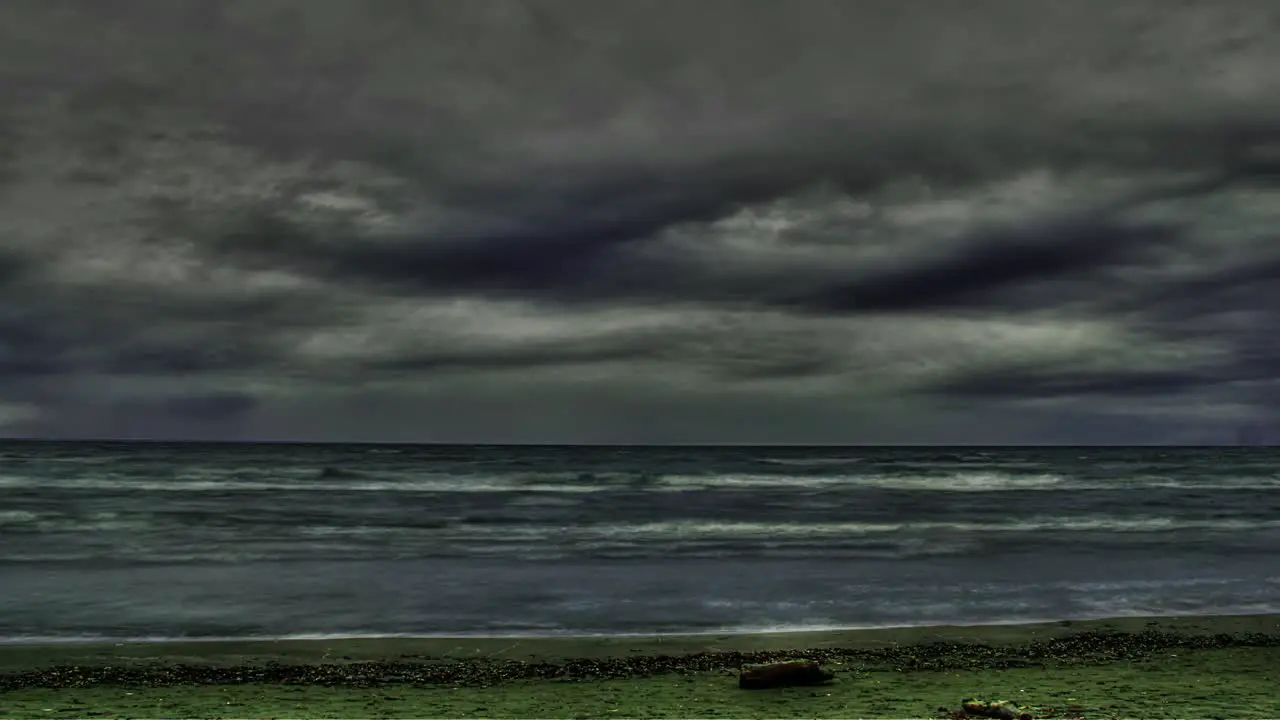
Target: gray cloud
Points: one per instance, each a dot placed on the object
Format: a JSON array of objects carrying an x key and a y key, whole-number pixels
[
  {"x": 592, "y": 255},
  {"x": 557, "y": 220},
  {"x": 995, "y": 262},
  {"x": 1060, "y": 382}
]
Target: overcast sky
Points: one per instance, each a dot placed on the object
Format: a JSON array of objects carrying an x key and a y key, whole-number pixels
[{"x": 843, "y": 221}]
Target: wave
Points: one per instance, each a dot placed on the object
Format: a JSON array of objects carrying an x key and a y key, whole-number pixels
[
  {"x": 17, "y": 517},
  {"x": 527, "y": 525},
  {"x": 964, "y": 482},
  {"x": 337, "y": 479},
  {"x": 330, "y": 472},
  {"x": 958, "y": 482},
  {"x": 447, "y": 484},
  {"x": 809, "y": 462},
  {"x": 481, "y": 536},
  {"x": 1097, "y": 523}
]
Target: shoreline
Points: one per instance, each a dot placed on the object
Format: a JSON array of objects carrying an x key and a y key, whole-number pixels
[
  {"x": 576, "y": 636},
  {"x": 1149, "y": 667},
  {"x": 1111, "y": 636},
  {"x": 86, "y": 641}
]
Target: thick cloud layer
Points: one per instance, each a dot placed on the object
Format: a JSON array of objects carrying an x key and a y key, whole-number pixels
[{"x": 568, "y": 221}]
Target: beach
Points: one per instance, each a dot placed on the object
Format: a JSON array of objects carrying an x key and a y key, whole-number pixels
[{"x": 1174, "y": 667}]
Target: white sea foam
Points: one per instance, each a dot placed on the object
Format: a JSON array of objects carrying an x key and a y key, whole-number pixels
[
  {"x": 523, "y": 530},
  {"x": 448, "y": 484},
  {"x": 679, "y": 483},
  {"x": 967, "y": 482},
  {"x": 15, "y": 517},
  {"x": 678, "y": 529},
  {"x": 958, "y": 482}
]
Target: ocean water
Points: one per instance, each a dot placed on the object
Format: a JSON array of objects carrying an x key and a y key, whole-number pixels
[{"x": 116, "y": 541}]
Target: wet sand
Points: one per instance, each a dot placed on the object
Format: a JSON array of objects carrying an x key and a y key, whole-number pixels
[{"x": 1219, "y": 666}]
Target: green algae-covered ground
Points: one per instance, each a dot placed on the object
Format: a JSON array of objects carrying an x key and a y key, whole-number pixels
[{"x": 1231, "y": 683}]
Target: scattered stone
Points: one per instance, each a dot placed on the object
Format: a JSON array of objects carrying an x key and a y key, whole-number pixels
[
  {"x": 1087, "y": 648},
  {"x": 787, "y": 673}
]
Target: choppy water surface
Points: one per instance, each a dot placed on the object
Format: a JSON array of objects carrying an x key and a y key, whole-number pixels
[{"x": 161, "y": 540}]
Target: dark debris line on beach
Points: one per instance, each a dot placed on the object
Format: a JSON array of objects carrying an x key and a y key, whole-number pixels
[{"x": 1080, "y": 649}]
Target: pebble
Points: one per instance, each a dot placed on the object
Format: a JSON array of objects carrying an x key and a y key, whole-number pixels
[{"x": 1085, "y": 648}]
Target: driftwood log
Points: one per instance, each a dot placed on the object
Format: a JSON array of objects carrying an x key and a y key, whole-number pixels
[{"x": 782, "y": 674}]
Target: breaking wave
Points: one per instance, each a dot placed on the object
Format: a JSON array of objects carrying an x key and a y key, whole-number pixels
[{"x": 409, "y": 479}]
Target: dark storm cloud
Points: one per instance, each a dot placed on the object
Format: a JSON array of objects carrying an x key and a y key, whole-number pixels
[
  {"x": 31, "y": 350},
  {"x": 180, "y": 415},
  {"x": 56, "y": 341},
  {"x": 717, "y": 351},
  {"x": 551, "y": 255},
  {"x": 97, "y": 333},
  {"x": 219, "y": 212},
  {"x": 614, "y": 258},
  {"x": 1235, "y": 309},
  {"x": 1253, "y": 284},
  {"x": 526, "y": 357},
  {"x": 1070, "y": 382},
  {"x": 1079, "y": 247},
  {"x": 975, "y": 273},
  {"x": 599, "y": 240},
  {"x": 215, "y": 407},
  {"x": 14, "y": 268},
  {"x": 183, "y": 359}
]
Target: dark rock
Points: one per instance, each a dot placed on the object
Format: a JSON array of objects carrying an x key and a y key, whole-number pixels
[{"x": 787, "y": 673}]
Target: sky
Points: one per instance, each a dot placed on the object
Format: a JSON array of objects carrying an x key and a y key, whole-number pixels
[{"x": 587, "y": 221}]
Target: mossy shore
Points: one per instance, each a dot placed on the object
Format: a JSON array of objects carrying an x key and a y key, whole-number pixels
[{"x": 1223, "y": 666}]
